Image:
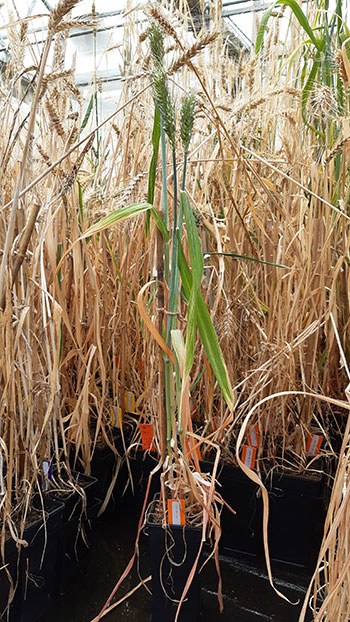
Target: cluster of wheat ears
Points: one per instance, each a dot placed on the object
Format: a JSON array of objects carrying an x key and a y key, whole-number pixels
[{"x": 268, "y": 184}]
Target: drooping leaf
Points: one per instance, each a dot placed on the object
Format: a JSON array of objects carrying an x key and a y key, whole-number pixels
[
  {"x": 160, "y": 224},
  {"x": 259, "y": 41},
  {"x": 302, "y": 19},
  {"x": 122, "y": 214},
  {"x": 197, "y": 265},
  {"x": 207, "y": 333}
]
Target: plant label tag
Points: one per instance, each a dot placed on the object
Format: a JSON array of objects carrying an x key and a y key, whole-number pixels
[
  {"x": 47, "y": 474},
  {"x": 192, "y": 450},
  {"x": 248, "y": 456},
  {"x": 116, "y": 417},
  {"x": 313, "y": 444},
  {"x": 147, "y": 436},
  {"x": 129, "y": 400},
  {"x": 253, "y": 436},
  {"x": 176, "y": 511},
  {"x": 2, "y": 487}
]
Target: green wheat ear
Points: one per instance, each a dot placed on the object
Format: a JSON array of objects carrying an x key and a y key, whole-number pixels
[
  {"x": 156, "y": 40},
  {"x": 187, "y": 120},
  {"x": 160, "y": 88}
]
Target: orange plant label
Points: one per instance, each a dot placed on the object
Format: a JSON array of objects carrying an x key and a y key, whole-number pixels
[
  {"x": 192, "y": 449},
  {"x": 147, "y": 436},
  {"x": 313, "y": 444},
  {"x": 248, "y": 456},
  {"x": 176, "y": 512},
  {"x": 254, "y": 436}
]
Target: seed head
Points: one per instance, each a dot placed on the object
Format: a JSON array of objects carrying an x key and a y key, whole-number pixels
[
  {"x": 156, "y": 40},
  {"x": 187, "y": 120}
]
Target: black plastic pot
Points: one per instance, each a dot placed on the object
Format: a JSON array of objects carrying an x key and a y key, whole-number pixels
[
  {"x": 75, "y": 545},
  {"x": 141, "y": 464},
  {"x": 297, "y": 513},
  {"x": 240, "y": 532},
  {"x": 75, "y": 521},
  {"x": 9, "y": 579},
  {"x": 103, "y": 463},
  {"x": 172, "y": 554},
  {"x": 38, "y": 562}
]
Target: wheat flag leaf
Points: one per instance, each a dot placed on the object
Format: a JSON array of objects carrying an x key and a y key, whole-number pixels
[
  {"x": 122, "y": 214},
  {"x": 207, "y": 333}
]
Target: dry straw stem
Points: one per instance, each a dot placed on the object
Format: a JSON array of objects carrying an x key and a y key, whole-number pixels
[
  {"x": 11, "y": 226},
  {"x": 274, "y": 323}
]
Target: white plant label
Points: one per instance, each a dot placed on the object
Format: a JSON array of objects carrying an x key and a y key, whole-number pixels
[
  {"x": 47, "y": 470},
  {"x": 176, "y": 513},
  {"x": 2, "y": 487},
  {"x": 253, "y": 436},
  {"x": 315, "y": 445},
  {"x": 248, "y": 457}
]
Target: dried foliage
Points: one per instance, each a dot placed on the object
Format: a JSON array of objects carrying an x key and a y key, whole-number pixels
[{"x": 270, "y": 198}]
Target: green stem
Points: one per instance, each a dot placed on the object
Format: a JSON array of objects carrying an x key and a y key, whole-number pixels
[
  {"x": 165, "y": 198},
  {"x": 181, "y": 211},
  {"x": 174, "y": 277}
]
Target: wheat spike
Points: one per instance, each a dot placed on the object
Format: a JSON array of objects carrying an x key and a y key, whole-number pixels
[
  {"x": 55, "y": 119},
  {"x": 75, "y": 24},
  {"x": 163, "y": 22},
  {"x": 57, "y": 15},
  {"x": 187, "y": 56}
]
